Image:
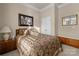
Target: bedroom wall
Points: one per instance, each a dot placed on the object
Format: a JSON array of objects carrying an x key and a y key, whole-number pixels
[
  {"x": 68, "y": 31},
  {"x": 1, "y": 15},
  {"x": 50, "y": 11},
  {"x": 9, "y": 14}
]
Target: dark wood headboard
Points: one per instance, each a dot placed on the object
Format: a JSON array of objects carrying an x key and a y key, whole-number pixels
[{"x": 20, "y": 31}]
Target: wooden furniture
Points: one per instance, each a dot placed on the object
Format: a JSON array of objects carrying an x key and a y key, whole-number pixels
[
  {"x": 69, "y": 41},
  {"x": 7, "y": 46}
]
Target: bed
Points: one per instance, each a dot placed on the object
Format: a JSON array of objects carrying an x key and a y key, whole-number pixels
[{"x": 36, "y": 44}]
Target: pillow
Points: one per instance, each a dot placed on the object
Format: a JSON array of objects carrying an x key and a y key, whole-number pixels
[
  {"x": 21, "y": 31},
  {"x": 34, "y": 32},
  {"x": 26, "y": 32}
]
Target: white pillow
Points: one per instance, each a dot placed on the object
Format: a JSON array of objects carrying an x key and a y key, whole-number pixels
[{"x": 34, "y": 32}]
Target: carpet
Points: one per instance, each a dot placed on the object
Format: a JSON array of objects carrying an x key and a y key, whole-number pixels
[{"x": 67, "y": 51}]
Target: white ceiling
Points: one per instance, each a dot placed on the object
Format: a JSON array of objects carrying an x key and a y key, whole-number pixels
[
  {"x": 43, "y": 5},
  {"x": 39, "y": 5}
]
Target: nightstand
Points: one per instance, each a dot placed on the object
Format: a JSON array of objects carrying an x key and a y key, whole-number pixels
[{"x": 7, "y": 46}]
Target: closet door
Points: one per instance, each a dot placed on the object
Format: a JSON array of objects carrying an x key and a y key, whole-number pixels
[{"x": 46, "y": 25}]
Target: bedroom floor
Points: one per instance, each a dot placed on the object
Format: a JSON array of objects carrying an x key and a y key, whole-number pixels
[{"x": 67, "y": 51}]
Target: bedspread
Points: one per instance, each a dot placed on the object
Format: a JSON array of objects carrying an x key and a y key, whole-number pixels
[{"x": 41, "y": 45}]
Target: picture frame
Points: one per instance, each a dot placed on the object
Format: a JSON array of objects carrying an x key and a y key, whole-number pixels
[
  {"x": 25, "y": 20},
  {"x": 69, "y": 20}
]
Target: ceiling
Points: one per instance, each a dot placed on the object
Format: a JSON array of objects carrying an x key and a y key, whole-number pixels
[
  {"x": 39, "y": 5},
  {"x": 43, "y": 5}
]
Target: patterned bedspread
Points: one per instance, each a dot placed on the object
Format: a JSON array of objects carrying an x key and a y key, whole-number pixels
[{"x": 41, "y": 45}]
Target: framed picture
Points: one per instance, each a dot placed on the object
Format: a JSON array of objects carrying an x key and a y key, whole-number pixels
[
  {"x": 69, "y": 20},
  {"x": 25, "y": 20}
]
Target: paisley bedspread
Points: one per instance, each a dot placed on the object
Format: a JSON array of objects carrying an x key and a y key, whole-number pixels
[{"x": 41, "y": 45}]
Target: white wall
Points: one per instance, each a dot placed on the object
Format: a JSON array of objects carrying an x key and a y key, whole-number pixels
[
  {"x": 50, "y": 12},
  {"x": 68, "y": 31},
  {"x": 9, "y": 15},
  {"x": 1, "y": 15}
]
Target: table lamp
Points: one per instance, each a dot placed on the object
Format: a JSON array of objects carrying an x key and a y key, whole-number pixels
[{"x": 6, "y": 31}]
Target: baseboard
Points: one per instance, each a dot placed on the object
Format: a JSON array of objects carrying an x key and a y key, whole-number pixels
[{"x": 69, "y": 41}]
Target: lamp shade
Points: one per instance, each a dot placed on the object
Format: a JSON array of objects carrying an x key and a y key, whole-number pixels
[{"x": 5, "y": 29}]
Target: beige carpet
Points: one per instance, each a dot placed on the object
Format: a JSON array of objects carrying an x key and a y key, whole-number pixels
[
  {"x": 67, "y": 51},
  {"x": 12, "y": 53}
]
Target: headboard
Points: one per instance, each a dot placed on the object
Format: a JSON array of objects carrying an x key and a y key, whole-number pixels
[{"x": 20, "y": 31}]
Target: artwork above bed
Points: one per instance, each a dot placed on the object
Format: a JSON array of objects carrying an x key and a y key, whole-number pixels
[{"x": 25, "y": 20}]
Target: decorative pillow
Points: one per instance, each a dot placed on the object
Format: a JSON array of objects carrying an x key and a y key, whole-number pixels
[
  {"x": 34, "y": 32},
  {"x": 21, "y": 31},
  {"x": 26, "y": 32}
]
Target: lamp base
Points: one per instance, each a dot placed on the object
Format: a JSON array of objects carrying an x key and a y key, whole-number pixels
[{"x": 6, "y": 36}]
